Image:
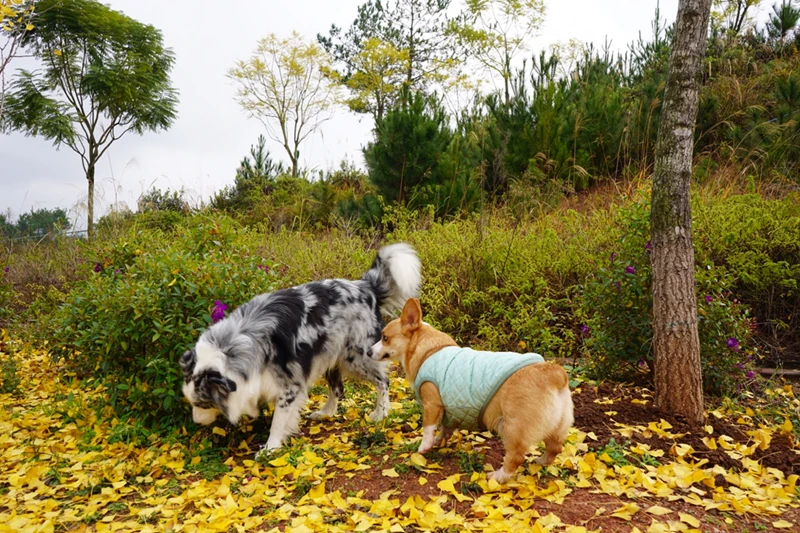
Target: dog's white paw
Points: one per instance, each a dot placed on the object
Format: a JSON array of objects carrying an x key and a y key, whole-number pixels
[
  {"x": 272, "y": 444},
  {"x": 378, "y": 414},
  {"x": 319, "y": 415},
  {"x": 424, "y": 448},
  {"x": 265, "y": 451},
  {"x": 500, "y": 475}
]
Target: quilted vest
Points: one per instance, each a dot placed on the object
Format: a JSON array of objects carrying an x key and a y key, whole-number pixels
[{"x": 467, "y": 380}]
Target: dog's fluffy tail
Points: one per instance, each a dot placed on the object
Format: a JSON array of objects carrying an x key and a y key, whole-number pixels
[{"x": 395, "y": 275}]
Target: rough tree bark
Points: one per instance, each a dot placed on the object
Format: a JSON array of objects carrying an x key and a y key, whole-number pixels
[{"x": 678, "y": 378}]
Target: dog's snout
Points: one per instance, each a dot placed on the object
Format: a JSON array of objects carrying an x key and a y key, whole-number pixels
[
  {"x": 204, "y": 417},
  {"x": 377, "y": 348}
]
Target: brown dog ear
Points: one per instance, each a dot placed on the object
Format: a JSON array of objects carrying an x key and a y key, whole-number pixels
[{"x": 411, "y": 317}]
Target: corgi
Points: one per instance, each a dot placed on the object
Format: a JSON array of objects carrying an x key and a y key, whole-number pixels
[{"x": 528, "y": 402}]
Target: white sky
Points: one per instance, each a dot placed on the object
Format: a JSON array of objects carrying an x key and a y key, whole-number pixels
[{"x": 211, "y": 135}]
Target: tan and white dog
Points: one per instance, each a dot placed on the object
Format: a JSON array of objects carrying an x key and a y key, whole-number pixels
[{"x": 532, "y": 404}]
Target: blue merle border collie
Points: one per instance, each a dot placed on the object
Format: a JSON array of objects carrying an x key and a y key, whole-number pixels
[{"x": 273, "y": 348}]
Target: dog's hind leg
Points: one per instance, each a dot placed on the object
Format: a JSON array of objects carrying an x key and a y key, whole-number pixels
[
  {"x": 286, "y": 418},
  {"x": 335, "y": 393},
  {"x": 554, "y": 442},
  {"x": 443, "y": 436},
  {"x": 516, "y": 446}
]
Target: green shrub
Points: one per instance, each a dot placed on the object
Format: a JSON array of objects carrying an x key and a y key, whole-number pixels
[
  {"x": 490, "y": 281},
  {"x": 157, "y": 200},
  {"x": 8, "y": 296},
  {"x": 757, "y": 241},
  {"x": 618, "y": 302},
  {"x": 9, "y": 378},
  {"x": 149, "y": 299}
]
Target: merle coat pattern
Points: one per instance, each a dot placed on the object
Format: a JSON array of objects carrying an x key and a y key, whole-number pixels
[{"x": 273, "y": 348}]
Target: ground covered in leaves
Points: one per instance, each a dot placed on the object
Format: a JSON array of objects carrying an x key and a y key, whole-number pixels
[{"x": 66, "y": 464}]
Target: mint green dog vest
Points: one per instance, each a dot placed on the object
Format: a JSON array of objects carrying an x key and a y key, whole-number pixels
[{"x": 467, "y": 380}]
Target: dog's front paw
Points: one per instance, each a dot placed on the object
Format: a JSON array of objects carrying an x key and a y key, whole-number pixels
[
  {"x": 272, "y": 445},
  {"x": 264, "y": 453},
  {"x": 500, "y": 475},
  {"x": 319, "y": 415},
  {"x": 424, "y": 448},
  {"x": 378, "y": 414}
]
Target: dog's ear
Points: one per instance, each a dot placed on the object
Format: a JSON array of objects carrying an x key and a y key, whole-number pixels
[
  {"x": 220, "y": 387},
  {"x": 411, "y": 317},
  {"x": 188, "y": 360}
]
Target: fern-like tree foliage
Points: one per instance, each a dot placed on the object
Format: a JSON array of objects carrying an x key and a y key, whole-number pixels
[
  {"x": 103, "y": 74},
  {"x": 16, "y": 19}
]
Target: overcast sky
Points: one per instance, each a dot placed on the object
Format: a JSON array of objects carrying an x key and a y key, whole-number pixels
[{"x": 211, "y": 135}]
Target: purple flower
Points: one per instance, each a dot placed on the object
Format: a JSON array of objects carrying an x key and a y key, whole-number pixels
[
  {"x": 118, "y": 271},
  {"x": 641, "y": 363},
  {"x": 619, "y": 286},
  {"x": 630, "y": 270},
  {"x": 709, "y": 299},
  {"x": 648, "y": 246},
  {"x": 98, "y": 267},
  {"x": 733, "y": 344},
  {"x": 740, "y": 366},
  {"x": 265, "y": 267},
  {"x": 218, "y": 312},
  {"x": 585, "y": 329},
  {"x": 5, "y": 270},
  {"x": 751, "y": 375},
  {"x": 613, "y": 256}
]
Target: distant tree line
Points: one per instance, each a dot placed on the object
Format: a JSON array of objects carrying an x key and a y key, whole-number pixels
[{"x": 37, "y": 224}]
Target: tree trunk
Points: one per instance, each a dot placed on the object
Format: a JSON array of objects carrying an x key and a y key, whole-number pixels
[
  {"x": 90, "y": 200},
  {"x": 678, "y": 377}
]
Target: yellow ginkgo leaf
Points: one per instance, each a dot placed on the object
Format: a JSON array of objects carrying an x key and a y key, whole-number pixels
[
  {"x": 418, "y": 459},
  {"x": 782, "y": 524},
  {"x": 318, "y": 491},
  {"x": 689, "y": 519},
  {"x": 390, "y": 472},
  {"x": 626, "y": 512}
]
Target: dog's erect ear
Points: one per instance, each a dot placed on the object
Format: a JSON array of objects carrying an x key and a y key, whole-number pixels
[
  {"x": 188, "y": 360},
  {"x": 220, "y": 387},
  {"x": 411, "y": 317}
]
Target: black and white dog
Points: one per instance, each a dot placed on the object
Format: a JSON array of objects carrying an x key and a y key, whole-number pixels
[{"x": 276, "y": 346}]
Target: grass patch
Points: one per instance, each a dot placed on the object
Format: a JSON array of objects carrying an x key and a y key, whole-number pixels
[{"x": 469, "y": 462}]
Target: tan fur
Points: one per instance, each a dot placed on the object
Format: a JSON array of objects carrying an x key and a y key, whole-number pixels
[{"x": 533, "y": 405}]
